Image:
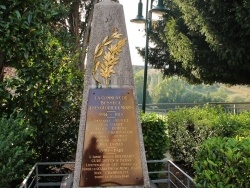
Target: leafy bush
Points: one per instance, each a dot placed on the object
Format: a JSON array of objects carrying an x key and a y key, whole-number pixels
[
  {"x": 15, "y": 153},
  {"x": 223, "y": 163},
  {"x": 52, "y": 106},
  {"x": 155, "y": 138},
  {"x": 188, "y": 128},
  {"x": 242, "y": 123},
  {"x": 47, "y": 86},
  {"x": 49, "y": 94}
]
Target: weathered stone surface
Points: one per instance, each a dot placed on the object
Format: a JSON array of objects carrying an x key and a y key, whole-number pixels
[{"x": 67, "y": 181}]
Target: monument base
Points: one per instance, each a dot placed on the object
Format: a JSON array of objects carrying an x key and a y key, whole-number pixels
[{"x": 67, "y": 182}]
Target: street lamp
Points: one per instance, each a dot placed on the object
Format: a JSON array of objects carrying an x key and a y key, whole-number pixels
[{"x": 158, "y": 10}]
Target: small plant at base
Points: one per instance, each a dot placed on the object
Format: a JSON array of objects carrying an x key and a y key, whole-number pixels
[
  {"x": 155, "y": 139},
  {"x": 15, "y": 153}
]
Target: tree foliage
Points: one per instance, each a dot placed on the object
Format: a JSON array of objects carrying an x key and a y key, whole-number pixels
[
  {"x": 212, "y": 170},
  {"x": 204, "y": 41},
  {"x": 176, "y": 90},
  {"x": 49, "y": 95},
  {"x": 43, "y": 43},
  {"x": 27, "y": 24},
  {"x": 139, "y": 82},
  {"x": 15, "y": 151}
]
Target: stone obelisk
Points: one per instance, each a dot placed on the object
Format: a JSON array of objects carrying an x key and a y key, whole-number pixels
[{"x": 110, "y": 149}]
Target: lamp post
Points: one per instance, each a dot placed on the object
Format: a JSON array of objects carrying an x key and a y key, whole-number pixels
[{"x": 159, "y": 10}]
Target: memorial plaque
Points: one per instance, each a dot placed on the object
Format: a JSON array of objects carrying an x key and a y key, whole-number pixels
[{"x": 111, "y": 154}]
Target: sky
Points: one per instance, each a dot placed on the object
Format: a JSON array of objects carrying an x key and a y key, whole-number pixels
[{"x": 136, "y": 32}]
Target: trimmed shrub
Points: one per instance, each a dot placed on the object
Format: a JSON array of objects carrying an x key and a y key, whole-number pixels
[
  {"x": 189, "y": 128},
  {"x": 155, "y": 139},
  {"x": 223, "y": 163},
  {"x": 242, "y": 123},
  {"x": 15, "y": 153}
]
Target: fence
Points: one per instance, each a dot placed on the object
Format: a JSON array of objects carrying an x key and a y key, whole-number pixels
[
  {"x": 37, "y": 179},
  {"x": 173, "y": 177},
  {"x": 163, "y": 108}
]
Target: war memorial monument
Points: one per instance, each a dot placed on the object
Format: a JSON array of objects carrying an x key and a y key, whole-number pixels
[{"x": 110, "y": 149}]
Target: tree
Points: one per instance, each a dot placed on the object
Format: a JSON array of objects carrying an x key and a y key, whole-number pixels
[
  {"x": 43, "y": 42},
  {"x": 169, "y": 90},
  {"x": 49, "y": 95},
  {"x": 139, "y": 88},
  {"x": 204, "y": 41},
  {"x": 24, "y": 23}
]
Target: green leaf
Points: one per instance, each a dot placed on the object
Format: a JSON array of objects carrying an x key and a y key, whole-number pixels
[
  {"x": 18, "y": 15},
  {"x": 3, "y": 7},
  {"x": 26, "y": 55},
  {"x": 29, "y": 18}
]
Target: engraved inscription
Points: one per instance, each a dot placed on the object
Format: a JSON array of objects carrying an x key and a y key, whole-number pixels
[{"x": 111, "y": 154}]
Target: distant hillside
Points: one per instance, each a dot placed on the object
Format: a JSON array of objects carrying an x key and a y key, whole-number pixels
[
  {"x": 238, "y": 93},
  {"x": 229, "y": 93}
]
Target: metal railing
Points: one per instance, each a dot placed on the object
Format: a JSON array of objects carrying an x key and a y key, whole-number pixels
[
  {"x": 176, "y": 181},
  {"x": 163, "y": 108},
  {"x": 170, "y": 177},
  {"x": 173, "y": 177},
  {"x": 36, "y": 178}
]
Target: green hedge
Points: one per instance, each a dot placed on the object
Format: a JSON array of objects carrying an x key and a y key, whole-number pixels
[
  {"x": 15, "y": 154},
  {"x": 189, "y": 128},
  {"x": 242, "y": 124},
  {"x": 223, "y": 163},
  {"x": 155, "y": 139}
]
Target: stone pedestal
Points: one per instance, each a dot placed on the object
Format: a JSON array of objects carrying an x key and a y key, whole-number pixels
[{"x": 110, "y": 149}]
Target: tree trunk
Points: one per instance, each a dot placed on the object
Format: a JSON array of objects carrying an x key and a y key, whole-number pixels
[
  {"x": 1, "y": 67},
  {"x": 74, "y": 22},
  {"x": 86, "y": 37}
]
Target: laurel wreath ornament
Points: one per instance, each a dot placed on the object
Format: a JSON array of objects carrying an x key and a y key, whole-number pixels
[{"x": 104, "y": 61}]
